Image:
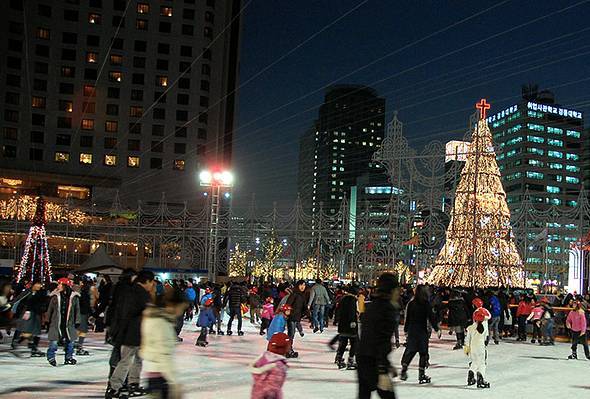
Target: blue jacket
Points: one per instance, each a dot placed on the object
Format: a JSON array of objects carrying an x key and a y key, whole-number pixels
[
  {"x": 495, "y": 307},
  {"x": 190, "y": 294},
  {"x": 277, "y": 325},
  {"x": 204, "y": 299},
  {"x": 206, "y": 317}
]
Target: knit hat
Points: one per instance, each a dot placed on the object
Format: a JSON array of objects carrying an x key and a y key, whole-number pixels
[{"x": 279, "y": 343}]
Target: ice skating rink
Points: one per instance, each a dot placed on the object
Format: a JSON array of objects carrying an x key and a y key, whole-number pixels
[{"x": 515, "y": 370}]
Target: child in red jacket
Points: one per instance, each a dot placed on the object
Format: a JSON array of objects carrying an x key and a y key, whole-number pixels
[
  {"x": 525, "y": 308},
  {"x": 270, "y": 369}
]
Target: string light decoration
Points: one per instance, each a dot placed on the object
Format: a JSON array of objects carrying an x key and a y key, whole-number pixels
[
  {"x": 237, "y": 262},
  {"x": 35, "y": 264},
  {"x": 479, "y": 250},
  {"x": 23, "y": 208},
  {"x": 272, "y": 251}
]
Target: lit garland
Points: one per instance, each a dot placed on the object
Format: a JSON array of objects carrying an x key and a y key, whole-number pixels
[
  {"x": 237, "y": 262},
  {"x": 23, "y": 208},
  {"x": 479, "y": 250},
  {"x": 308, "y": 269},
  {"x": 271, "y": 250},
  {"x": 35, "y": 263}
]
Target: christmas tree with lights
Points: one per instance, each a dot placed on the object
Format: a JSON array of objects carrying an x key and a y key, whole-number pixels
[
  {"x": 479, "y": 250},
  {"x": 35, "y": 264}
]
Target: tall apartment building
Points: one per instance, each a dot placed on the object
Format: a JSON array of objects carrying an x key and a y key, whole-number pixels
[
  {"x": 98, "y": 95},
  {"x": 349, "y": 128},
  {"x": 539, "y": 147}
]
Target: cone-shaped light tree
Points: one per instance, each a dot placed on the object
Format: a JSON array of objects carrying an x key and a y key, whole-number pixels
[
  {"x": 35, "y": 264},
  {"x": 479, "y": 250}
]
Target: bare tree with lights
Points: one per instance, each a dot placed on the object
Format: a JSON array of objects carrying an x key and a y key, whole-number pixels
[{"x": 479, "y": 250}]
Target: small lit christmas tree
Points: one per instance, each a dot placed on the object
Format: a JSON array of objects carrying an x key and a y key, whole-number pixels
[
  {"x": 237, "y": 262},
  {"x": 479, "y": 250},
  {"x": 35, "y": 264}
]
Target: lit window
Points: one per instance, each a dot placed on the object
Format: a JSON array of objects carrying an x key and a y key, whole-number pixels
[
  {"x": 143, "y": 8},
  {"x": 110, "y": 160},
  {"x": 572, "y": 180},
  {"x": 87, "y": 124},
  {"x": 535, "y": 162},
  {"x": 135, "y": 111},
  {"x": 572, "y": 157},
  {"x": 141, "y": 24},
  {"x": 178, "y": 164},
  {"x": 162, "y": 80},
  {"x": 553, "y": 189},
  {"x": 555, "y": 142},
  {"x": 73, "y": 191},
  {"x": 573, "y": 133},
  {"x": 166, "y": 11},
  {"x": 535, "y": 127},
  {"x": 572, "y": 168},
  {"x": 133, "y": 162},
  {"x": 554, "y": 165},
  {"x": 534, "y": 175},
  {"x": 535, "y": 139},
  {"x": 62, "y": 157},
  {"x": 89, "y": 91},
  {"x": 554, "y": 130},
  {"x": 116, "y": 59},
  {"x": 66, "y": 106},
  {"x": 111, "y": 126},
  {"x": 85, "y": 159},
  {"x": 38, "y": 102},
  {"x": 94, "y": 18},
  {"x": 91, "y": 57},
  {"x": 43, "y": 33},
  {"x": 115, "y": 76},
  {"x": 555, "y": 154}
]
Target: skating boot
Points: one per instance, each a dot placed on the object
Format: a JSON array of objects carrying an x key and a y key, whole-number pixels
[
  {"x": 219, "y": 332},
  {"x": 340, "y": 363},
  {"x": 179, "y": 339},
  {"x": 229, "y": 332},
  {"x": 212, "y": 331},
  {"x": 471, "y": 378},
  {"x": 315, "y": 330},
  {"x": 37, "y": 353},
  {"x": 136, "y": 390},
  {"x": 302, "y": 334},
  {"x": 202, "y": 343},
  {"x": 423, "y": 378},
  {"x": 52, "y": 362},
  {"x": 71, "y": 361},
  {"x": 240, "y": 333},
  {"x": 404, "y": 374},
  {"x": 261, "y": 333},
  {"x": 573, "y": 356},
  {"x": 116, "y": 394},
  {"x": 351, "y": 365},
  {"x": 292, "y": 354},
  {"x": 533, "y": 341},
  {"x": 457, "y": 346},
  {"x": 82, "y": 352},
  {"x": 481, "y": 383}
]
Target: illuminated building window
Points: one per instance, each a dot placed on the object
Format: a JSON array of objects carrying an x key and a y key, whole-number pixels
[
  {"x": 162, "y": 80},
  {"x": 572, "y": 157},
  {"x": 143, "y": 8},
  {"x": 42, "y": 33},
  {"x": 87, "y": 124},
  {"x": 555, "y": 142},
  {"x": 534, "y": 175},
  {"x": 73, "y": 192},
  {"x": 572, "y": 180},
  {"x": 554, "y": 165},
  {"x": 110, "y": 160},
  {"x": 66, "y": 106},
  {"x": 89, "y": 91},
  {"x": 554, "y": 130},
  {"x": 555, "y": 154},
  {"x": 572, "y": 168},
  {"x": 514, "y": 140},
  {"x": 553, "y": 189},
  {"x": 116, "y": 59},
  {"x": 178, "y": 164},
  {"x": 141, "y": 24},
  {"x": 62, "y": 157},
  {"x": 534, "y": 150},
  {"x": 571, "y": 203},
  {"x": 38, "y": 102},
  {"x": 166, "y": 11},
  {"x": 85, "y": 158},
  {"x": 535, "y": 162},
  {"x": 535, "y": 127},
  {"x": 133, "y": 162},
  {"x": 91, "y": 57},
  {"x": 94, "y": 18},
  {"x": 135, "y": 111},
  {"x": 554, "y": 201},
  {"x": 573, "y": 133},
  {"x": 111, "y": 126},
  {"x": 115, "y": 76},
  {"x": 535, "y": 139}
]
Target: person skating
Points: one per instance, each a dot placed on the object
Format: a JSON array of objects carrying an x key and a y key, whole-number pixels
[
  {"x": 63, "y": 315},
  {"x": 234, "y": 297},
  {"x": 255, "y": 303},
  {"x": 85, "y": 312},
  {"x": 31, "y": 308},
  {"x": 576, "y": 322},
  {"x": 347, "y": 329},
  {"x": 269, "y": 370},
  {"x": 158, "y": 341},
  {"x": 318, "y": 300},
  {"x": 475, "y": 348},
  {"x": 535, "y": 318},
  {"x": 523, "y": 311},
  {"x": 547, "y": 322},
  {"x": 457, "y": 318},
  {"x": 375, "y": 373},
  {"x": 266, "y": 315},
  {"x": 418, "y": 316},
  {"x": 205, "y": 320},
  {"x": 279, "y": 321},
  {"x": 495, "y": 309},
  {"x": 298, "y": 307}
]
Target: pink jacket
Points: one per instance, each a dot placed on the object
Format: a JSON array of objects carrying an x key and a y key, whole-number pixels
[
  {"x": 269, "y": 372},
  {"x": 537, "y": 313},
  {"x": 268, "y": 311},
  {"x": 576, "y": 321}
]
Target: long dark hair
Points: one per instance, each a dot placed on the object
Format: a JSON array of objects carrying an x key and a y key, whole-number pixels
[{"x": 421, "y": 294}]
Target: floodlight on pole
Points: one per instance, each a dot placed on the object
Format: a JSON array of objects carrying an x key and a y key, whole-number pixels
[{"x": 218, "y": 178}]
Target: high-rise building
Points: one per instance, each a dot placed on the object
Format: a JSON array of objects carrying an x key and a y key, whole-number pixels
[
  {"x": 99, "y": 95},
  {"x": 539, "y": 147},
  {"x": 349, "y": 128}
]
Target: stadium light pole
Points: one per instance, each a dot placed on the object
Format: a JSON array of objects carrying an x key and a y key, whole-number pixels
[{"x": 215, "y": 180}]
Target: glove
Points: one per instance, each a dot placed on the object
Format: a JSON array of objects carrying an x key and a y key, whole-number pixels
[
  {"x": 385, "y": 383},
  {"x": 466, "y": 350}
]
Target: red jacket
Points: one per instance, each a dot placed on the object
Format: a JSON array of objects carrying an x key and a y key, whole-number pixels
[{"x": 524, "y": 308}]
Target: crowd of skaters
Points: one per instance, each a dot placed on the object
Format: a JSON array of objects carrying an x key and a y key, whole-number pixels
[{"x": 143, "y": 317}]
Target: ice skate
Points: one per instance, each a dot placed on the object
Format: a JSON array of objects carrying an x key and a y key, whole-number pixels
[
  {"x": 404, "y": 374},
  {"x": 116, "y": 394},
  {"x": 52, "y": 362},
  {"x": 71, "y": 361},
  {"x": 212, "y": 332},
  {"x": 481, "y": 383},
  {"x": 351, "y": 365},
  {"x": 301, "y": 333},
  {"x": 457, "y": 346},
  {"x": 573, "y": 356},
  {"x": 423, "y": 378},
  {"x": 533, "y": 341},
  {"x": 240, "y": 333},
  {"x": 202, "y": 344},
  {"x": 261, "y": 333},
  {"x": 470, "y": 378},
  {"x": 82, "y": 352},
  {"x": 340, "y": 363},
  {"x": 37, "y": 353},
  {"x": 136, "y": 390},
  {"x": 229, "y": 332},
  {"x": 219, "y": 332}
]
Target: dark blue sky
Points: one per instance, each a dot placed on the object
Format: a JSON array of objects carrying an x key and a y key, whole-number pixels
[{"x": 434, "y": 83}]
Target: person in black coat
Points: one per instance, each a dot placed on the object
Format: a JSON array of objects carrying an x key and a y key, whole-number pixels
[
  {"x": 347, "y": 328},
  {"x": 377, "y": 322},
  {"x": 418, "y": 316},
  {"x": 299, "y": 305},
  {"x": 234, "y": 297},
  {"x": 458, "y": 318}
]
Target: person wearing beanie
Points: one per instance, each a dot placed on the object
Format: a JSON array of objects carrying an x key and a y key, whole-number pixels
[
  {"x": 269, "y": 370},
  {"x": 375, "y": 373}
]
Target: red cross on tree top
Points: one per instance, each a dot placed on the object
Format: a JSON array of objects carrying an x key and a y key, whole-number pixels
[{"x": 483, "y": 106}]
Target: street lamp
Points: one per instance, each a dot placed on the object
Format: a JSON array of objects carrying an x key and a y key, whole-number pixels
[{"x": 216, "y": 180}]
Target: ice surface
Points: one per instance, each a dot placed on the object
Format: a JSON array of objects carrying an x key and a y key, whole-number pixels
[{"x": 515, "y": 370}]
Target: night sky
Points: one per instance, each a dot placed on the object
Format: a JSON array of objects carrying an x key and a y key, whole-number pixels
[{"x": 431, "y": 60}]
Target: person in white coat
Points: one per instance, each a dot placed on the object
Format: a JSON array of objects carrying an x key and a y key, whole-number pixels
[{"x": 475, "y": 347}]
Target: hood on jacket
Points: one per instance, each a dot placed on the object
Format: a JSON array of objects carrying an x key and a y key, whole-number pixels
[{"x": 265, "y": 362}]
